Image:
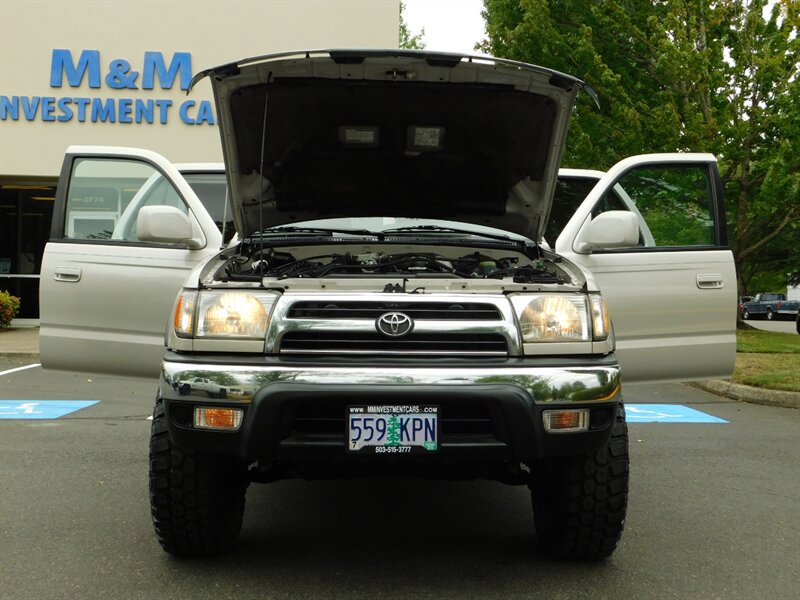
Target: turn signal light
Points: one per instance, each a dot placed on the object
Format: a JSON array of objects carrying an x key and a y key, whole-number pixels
[
  {"x": 566, "y": 421},
  {"x": 217, "y": 418}
]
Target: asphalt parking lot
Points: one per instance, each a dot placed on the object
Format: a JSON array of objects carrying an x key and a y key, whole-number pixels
[
  {"x": 714, "y": 512},
  {"x": 782, "y": 326}
]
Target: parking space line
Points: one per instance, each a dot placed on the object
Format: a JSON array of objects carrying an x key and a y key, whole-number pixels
[{"x": 9, "y": 371}]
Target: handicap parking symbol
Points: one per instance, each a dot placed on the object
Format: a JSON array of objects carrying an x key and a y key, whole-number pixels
[
  {"x": 41, "y": 409},
  {"x": 667, "y": 413}
]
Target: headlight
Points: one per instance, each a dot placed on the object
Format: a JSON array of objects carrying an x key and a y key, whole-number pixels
[
  {"x": 552, "y": 317},
  {"x": 217, "y": 314}
]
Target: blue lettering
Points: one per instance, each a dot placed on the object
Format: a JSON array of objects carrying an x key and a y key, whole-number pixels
[
  {"x": 143, "y": 110},
  {"x": 205, "y": 114},
  {"x": 61, "y": 64},
  {"x": 184, "y": 112},
  {"x": 154, "y": 65},
  {"x": 9, "y": 106},
  {"x": 29, "y": 106},
  {"x": 82, "y": 103},
  {"x": 417, "y": 426},
  {"x": 163, "y": 106},
  {"x": 125, "y": 110},
  {"x": 66, "y": 110},
  {"x": 103, "y": 111},
  {"x": 48, "y": 108},
  {"x": 404, "y": 435},
  {"x": 430, "y": 430},
  {"x": 120, "y": 75}
]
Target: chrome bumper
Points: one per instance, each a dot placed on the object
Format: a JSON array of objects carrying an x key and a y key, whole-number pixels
[{"x": 545, "y": 385}]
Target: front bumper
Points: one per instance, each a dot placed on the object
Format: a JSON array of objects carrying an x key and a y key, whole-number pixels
[{"x": 295, "y": 410}]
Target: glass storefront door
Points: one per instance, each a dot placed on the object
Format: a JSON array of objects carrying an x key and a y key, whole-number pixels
[{"x": 26, "y": 209}]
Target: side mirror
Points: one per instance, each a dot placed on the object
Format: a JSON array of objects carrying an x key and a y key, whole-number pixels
[
  {"x": 166, "y": 225},
  {"x": 611, "y": 229}
]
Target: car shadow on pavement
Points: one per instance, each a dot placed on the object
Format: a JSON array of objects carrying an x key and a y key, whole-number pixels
[{"x": 396, "y": 535}]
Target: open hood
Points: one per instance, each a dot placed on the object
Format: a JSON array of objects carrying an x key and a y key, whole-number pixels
[{"x": 358, "y": 133}]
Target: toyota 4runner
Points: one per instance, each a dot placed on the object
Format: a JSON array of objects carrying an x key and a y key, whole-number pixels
[{"x": 391, "y": 302}]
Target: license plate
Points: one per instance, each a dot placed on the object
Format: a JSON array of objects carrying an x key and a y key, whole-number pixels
[{"x": 392, "y": 429}]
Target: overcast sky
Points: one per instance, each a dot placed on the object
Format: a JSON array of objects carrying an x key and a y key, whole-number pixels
[{"x": 450, "y": 25}]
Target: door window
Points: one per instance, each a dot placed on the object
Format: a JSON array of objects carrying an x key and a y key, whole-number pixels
[
  {"x": 105, "y": 196},
  {"x": 674, "y": 204}
]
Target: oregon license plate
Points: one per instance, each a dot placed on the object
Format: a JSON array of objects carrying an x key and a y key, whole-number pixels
[{"x": 400, "y": 429}]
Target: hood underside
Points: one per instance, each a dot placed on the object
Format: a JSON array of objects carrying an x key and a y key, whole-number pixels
[{"x": 391, "y": 133}]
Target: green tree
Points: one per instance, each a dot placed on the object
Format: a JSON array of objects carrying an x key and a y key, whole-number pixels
[
  {"x": 407, "y": 40},
  {"x": 682, "y": 75},
  {"x": 392, "y": 431}
]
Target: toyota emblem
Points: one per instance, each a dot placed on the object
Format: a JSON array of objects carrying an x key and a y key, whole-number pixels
[{"x": 394, "y": 324}]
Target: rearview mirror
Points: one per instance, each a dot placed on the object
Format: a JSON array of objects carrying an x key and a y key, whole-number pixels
[
  {"x": 165, "y": 225},
  {"x": 611, "y": 229}
]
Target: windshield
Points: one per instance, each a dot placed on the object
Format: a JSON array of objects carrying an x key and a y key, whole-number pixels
[{"x": 211, "y": 190}]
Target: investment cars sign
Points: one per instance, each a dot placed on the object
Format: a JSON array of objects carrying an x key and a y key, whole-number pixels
[{"x": 116, "y": 76}]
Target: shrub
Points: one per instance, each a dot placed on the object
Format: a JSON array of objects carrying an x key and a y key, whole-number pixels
[{"x": 9, "y": 307}]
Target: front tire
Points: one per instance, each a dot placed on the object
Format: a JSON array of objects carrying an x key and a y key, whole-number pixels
[
  {"x": 196, "y": 499},
  {"x": 770, "y": 315},
  {"x": 745, "y": 314},
  {"x": 579, "y": 502}
]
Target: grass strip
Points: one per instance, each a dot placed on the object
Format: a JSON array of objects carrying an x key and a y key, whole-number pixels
[
  {"x": 768, "y": 359},
  {"x": 768, "y": 370}
]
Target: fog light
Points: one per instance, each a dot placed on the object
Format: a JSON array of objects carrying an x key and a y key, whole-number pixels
[
  {"x": 217, "y": 418},
  {"x": 566, "y": 421}
]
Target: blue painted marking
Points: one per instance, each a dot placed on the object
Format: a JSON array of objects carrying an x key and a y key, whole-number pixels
[
  {"x": 667, "y": 413},
  {"x": 41, "y": 409}
]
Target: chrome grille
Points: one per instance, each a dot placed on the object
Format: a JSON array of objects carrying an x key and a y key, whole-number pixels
[
  {"x": 419, "y": 311},
  {"x": 343, "y": 323},
  {"x": 314, "y": 341}
]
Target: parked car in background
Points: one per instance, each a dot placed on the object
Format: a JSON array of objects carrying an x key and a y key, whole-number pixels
[
  {"x": 742, "y": 300},
  {"x": 770, "y": 306}
]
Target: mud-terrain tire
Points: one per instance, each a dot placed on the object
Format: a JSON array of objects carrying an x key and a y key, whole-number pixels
[
  {"x": 579, "y": 502},
  {"x": 196, "y": 499}
]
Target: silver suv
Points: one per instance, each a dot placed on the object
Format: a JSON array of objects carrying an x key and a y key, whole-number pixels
[{"x": 390, "y": 303}]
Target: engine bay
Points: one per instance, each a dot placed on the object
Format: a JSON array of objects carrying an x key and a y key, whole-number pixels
[{"x": 281, "y": 265}]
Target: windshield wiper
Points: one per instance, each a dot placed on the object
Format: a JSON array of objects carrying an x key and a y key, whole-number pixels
[
  {"x": 527, "y": 247},
  {"x": 317, "y": 230},
  {"x": 442, "y": 229}
]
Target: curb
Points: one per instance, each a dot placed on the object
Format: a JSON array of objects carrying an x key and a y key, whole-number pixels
[
  {"x": 20, "y": 356},
  {"x": 746, "y": 393}
]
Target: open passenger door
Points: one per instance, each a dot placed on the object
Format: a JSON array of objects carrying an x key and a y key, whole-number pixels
[
  {"x": 669, "y": 279},
  {"x": 127, "y": 228}
]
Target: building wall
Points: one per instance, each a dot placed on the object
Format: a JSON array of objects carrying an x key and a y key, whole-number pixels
[
  {"x": 211, "y": 32},
  {"x": 116, "y": 72}
]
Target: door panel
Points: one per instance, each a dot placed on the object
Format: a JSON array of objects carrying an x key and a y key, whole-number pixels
[
  {"x": 672, "y": 297},
  {"x": 105, "y": 295}
]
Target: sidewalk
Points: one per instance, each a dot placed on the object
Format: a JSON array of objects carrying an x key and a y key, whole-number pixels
[{"x": 22, "y": 343}]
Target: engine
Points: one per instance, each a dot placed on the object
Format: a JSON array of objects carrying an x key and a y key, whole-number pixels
[{"x": 283, "y": 265}]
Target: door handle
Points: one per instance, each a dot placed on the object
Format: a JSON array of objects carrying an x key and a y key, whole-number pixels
[
  {"x": 68, "y": 274},
  {"x": 709, "y": 281}
]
